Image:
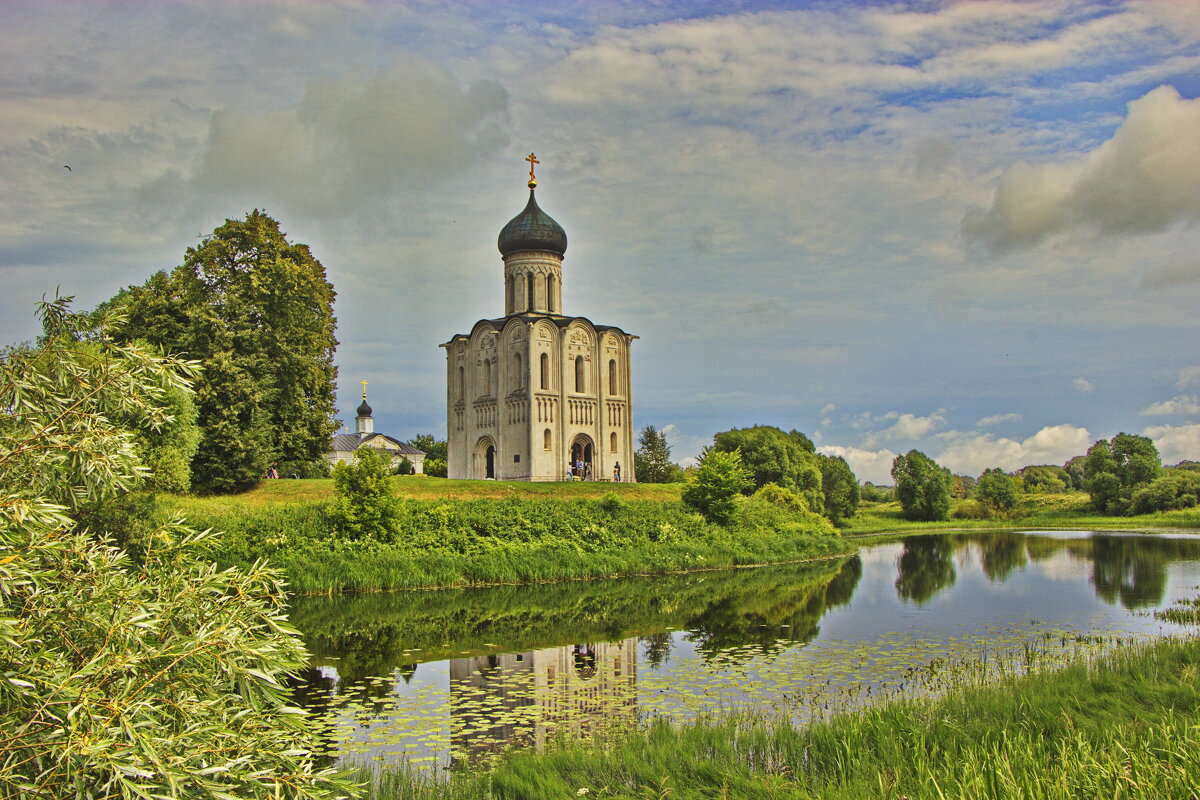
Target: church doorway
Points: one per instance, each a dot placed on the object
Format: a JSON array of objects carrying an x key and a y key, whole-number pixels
[
  {"x": 485, "y": 458},
  {"x": 581, "y": 454}
]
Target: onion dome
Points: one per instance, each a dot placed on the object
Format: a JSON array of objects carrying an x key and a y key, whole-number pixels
[
  {"x": 364, "y": 410},
  {"x": 532, "y": 229}
]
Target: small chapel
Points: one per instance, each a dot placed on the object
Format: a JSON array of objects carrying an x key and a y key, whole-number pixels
[{"x": 536, "y": 394}]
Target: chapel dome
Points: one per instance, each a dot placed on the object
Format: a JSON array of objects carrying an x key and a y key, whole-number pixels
[
  {"x": 364, "y": 410},
  {"x": 532, "y": 229}
]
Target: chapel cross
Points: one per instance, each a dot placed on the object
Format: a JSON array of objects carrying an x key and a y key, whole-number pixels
[
  {"x": 532, "y": 159},
  {"x": 364, "y": 385}
]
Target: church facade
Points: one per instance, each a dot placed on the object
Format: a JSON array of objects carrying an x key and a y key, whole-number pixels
[{"x": 536, "y": 392}]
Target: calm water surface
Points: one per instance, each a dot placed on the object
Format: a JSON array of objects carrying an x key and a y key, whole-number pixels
[{"x": 441, "y": 677}]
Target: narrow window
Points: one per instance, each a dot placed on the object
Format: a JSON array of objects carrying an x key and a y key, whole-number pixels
[
  {"x": 612, "y": 376},
  {"x": 518, "y": 379},
  {"x": 532, "y": 293},
  {"x": 579, "y": 374},
  {"x": 545, "y": 371},
  {"x": 462, "y": 383},
  {"x": 487, "y": 378},
  {"x": 550, "y": 293},
  {"x": 612, "y": 442},
  {"x": 547, "y": 439}
]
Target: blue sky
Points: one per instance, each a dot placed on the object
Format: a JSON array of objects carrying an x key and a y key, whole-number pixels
[{"x": 969, "y": 228}]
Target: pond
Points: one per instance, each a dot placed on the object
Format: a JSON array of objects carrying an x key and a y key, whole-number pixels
[{"x": 444, "y": 678}]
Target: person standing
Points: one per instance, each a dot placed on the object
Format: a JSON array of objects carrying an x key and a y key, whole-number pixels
[{"x": 617, "y": 472}]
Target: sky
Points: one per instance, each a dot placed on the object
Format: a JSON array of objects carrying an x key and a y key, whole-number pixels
[{"x": 969, "y": 228}]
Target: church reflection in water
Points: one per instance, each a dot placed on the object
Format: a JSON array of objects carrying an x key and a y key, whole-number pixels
[{"x": 526, "y": 699}]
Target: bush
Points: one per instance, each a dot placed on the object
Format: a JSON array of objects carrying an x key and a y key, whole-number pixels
[
  {"x": 435, "y": 467},
  {"x": 781, "y": 496},
  {"x": 405, "y": 467},
  {"x": 366, "y": 506},
  {"x": 1176, "y": 489},
  {"x": 971, "y": 509},
  {"x": 998, "y": 490},
  {"x": 720, "y": 479}
]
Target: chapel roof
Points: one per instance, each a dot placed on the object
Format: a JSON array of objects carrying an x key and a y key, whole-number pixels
[{"x": 352, "y": 441}]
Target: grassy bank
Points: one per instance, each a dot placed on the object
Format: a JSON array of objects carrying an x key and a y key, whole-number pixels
[
  {"x": 1069, "y": 511},
  {"x": 491, "y": 532},
  {"x": 1123, "y": 725}
]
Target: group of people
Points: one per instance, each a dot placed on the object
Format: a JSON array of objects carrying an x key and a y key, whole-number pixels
[{"x": 583, "y": 471}]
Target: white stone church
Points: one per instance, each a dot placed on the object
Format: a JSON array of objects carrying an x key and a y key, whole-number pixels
[{"x": 537, "y": 392}]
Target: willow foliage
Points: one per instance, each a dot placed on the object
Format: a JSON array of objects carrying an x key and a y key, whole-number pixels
[{"x": 160, "y": 677}]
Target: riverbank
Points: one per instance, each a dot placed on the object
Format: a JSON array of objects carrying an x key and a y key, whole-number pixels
[
  {"x": 1068, "y": 511},
  {"x": 1120, "y": 724},
  {"x": 488, "y": 532}
]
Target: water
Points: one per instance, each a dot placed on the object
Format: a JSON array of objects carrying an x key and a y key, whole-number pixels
[{"x": 445, "y": 677}]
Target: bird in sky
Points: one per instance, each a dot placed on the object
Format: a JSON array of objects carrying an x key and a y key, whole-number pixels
[{"x": 67, "y": 168}]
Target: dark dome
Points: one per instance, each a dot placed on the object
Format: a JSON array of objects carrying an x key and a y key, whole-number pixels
[
  {"x": 364, "y": 410},
  {"x": 532, "y": 229}
]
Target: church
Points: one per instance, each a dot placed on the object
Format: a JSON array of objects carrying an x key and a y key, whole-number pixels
[{"x": 538, "y": 395}]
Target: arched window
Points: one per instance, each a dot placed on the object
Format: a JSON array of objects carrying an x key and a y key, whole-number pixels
[
  {"x": 532, "y": 293},
  {"x": 579, "y": 382},
  {"x": 509, "y": 285},
  {"x": 462, "y": 383},
  {"x": 518, "y": 376},
  {"x": 550, "y": 293},
  {"x": 487, "y": 377},
  {"x": 612, "y": 442},
  {"x": 547, "y": 439},
  {"x": 612, "y": 377},
  {"x": 545, "y": 371}
]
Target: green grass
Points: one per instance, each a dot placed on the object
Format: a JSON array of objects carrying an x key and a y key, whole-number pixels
[{"x": 1125, "y": 724}]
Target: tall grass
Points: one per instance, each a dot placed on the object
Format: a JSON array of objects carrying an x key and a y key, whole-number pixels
[{"x": 1120, "y": 725}]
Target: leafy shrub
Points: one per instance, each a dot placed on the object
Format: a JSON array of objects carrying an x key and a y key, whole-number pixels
[
  {"x": 998, "y": 490},
  {"x": 435, "y": 467},
  {"x": 1176, "y": 488},
  {"x": 971, "y": 509},
  {"x": 781, "y": 496},
  {"x": 720, "y": 479},
  {"x": 124, "y": 678},
  {"x": 366, "y": 506},
  {"x": 405, "y": 467}
]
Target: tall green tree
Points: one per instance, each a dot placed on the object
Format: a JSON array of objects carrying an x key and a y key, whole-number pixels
[
  {"x": 922, "y": 487},
  {"x": 123, "y": 678},
  {"x": 652, "y": 459},
  {"x": 257, "y": 311},
  {"x": 433, "y": 446},
  {"x": 772, "y": 456},
  {"x": 1116, "y": 470},
  {"x": 840, "y": 489}
]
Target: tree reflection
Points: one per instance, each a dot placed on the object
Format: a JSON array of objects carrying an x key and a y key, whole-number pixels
[
  {"x": 1001, "y": 553},
  {"x": 1132, "y": 569},
  {"x": 841, "y": 588},
  {"x": 656, "y": 649},
  {"x": 926, "y": 567}
]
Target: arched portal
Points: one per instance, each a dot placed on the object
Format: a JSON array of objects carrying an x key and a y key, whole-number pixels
[
  {"x": 582, "y": 452},
  {"x": 485, "y": 458}
]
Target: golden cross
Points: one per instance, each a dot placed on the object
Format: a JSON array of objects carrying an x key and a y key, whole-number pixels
[
  {"x": 532, "y": 159},
  {"x": 364, "y": 384}
]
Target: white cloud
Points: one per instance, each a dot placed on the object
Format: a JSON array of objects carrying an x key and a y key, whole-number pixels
[
  {"x": 1143, "y": 180},
  {"x": 1054, "y": 444},
  {"x": 1083, "y": 386},
  {"x": 1176, "y": 442},
  {"x": 998, "y": 419},
  {"x": 868, "y": 465},
  {"x": 1188, "y": 376},
  {"x": 1180, "y": 404},
  {"x": 828, "y": 408},
  {"x": 906, "y": 426}
]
